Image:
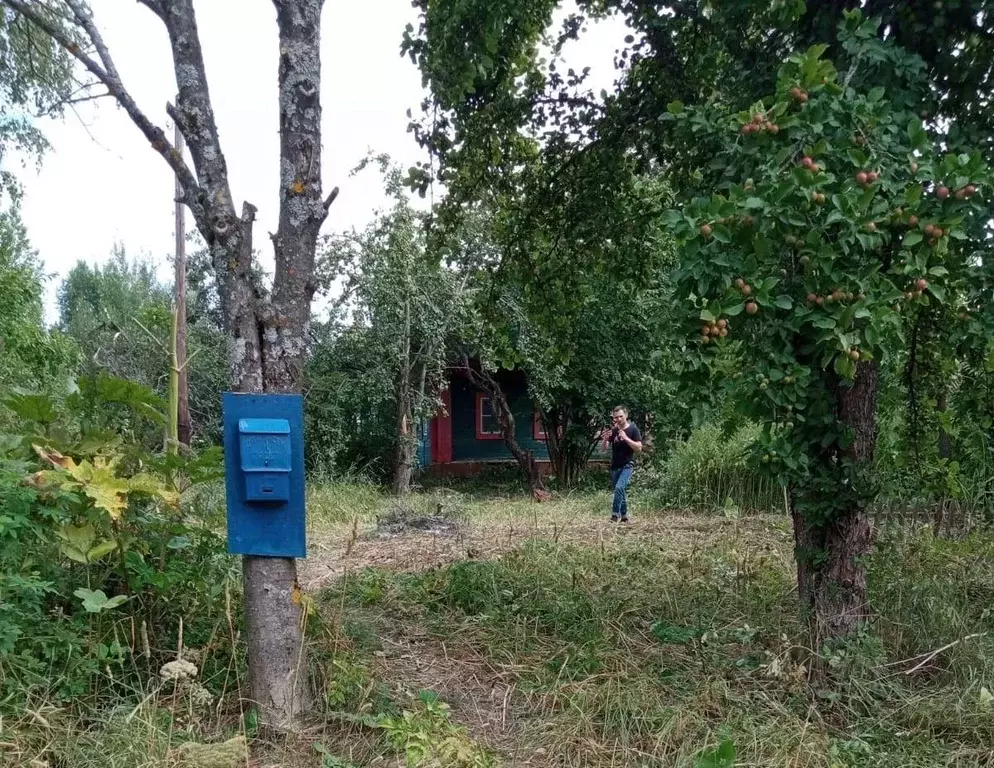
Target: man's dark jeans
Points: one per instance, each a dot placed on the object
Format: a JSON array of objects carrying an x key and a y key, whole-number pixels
[{"x": 619, "y": 484}]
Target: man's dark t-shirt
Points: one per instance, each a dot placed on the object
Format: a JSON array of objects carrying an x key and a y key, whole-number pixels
[{"x": 622, "y": 454}]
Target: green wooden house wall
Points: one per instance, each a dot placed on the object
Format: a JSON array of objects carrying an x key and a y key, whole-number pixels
[
  {"x": 466, "y": 446},
  {"x": 454, "y": 437}
]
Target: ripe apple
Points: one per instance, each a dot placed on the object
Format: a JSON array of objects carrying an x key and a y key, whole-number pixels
[
  {"x": 751, "y": 308},
  {"x": 795, "y": 93},
  {"x": 862, "y": 177},
  {"x": 739, "y": 283},
  {"x": 820, "y": 300},
  {"x": 872, "y": 176},
  {"x": 812, "y": 298},
  {"x": 921, "y": 283},
  {"x": 970, "y": 190},
  {"x": 706, "y": 230},
  {"x": 942, "y": 193},
  {"x": 854, "y": 354},
  {"x": 746, "y": 289},
  {"x": 723, "y": 323},
  {"x": 870, "y": 226},
  {"x": 912, "y": 221},
  {"x": 914, "y": 167}
]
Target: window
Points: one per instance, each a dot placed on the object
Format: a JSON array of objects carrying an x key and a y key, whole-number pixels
[
  {"x": 487, "y": 424},
  {"x": 538, "y": 429}
]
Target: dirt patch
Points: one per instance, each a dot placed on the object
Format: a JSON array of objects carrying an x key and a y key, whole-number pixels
[
  {"x": 400, "y": 520},
  {"x": 483, "y": 699}
]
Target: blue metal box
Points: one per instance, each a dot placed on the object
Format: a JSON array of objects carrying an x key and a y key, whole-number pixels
[{"x": 264, "y": 474}]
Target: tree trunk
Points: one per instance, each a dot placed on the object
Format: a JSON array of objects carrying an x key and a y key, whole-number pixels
[
  {"x": 567, "y": 454},
  {"x": 941, "y": 406},
  {"x": 405, "y": 440},
  {"x": 277, "y": 660},
  {"x": 508, "y": 428},
  {"x": 831, "y": 574}
]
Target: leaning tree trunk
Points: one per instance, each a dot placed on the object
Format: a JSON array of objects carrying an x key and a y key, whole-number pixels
[
  {"x": 831, "y": 574},
  {"x": 508, "y": 429}
]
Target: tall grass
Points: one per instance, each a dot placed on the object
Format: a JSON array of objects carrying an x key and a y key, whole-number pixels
[{"x": 709, "y": 471}]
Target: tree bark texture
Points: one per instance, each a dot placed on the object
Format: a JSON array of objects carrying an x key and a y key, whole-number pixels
[
  {"x": 831, "y": 573},
  {"x": 267, "y": 337}
]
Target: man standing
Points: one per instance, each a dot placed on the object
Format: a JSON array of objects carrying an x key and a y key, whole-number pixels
[{"x": 626, "y": 441}]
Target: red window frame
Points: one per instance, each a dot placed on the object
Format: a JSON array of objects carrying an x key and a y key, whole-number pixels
[
  {"x": 480, "y": 434},
  {"x": 538, "y": 430}
]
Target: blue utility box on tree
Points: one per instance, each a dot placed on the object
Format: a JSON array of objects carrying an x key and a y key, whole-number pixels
[{"x": 264, "y": 474}]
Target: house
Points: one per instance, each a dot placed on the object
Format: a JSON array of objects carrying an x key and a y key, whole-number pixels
[{"x": 465, "y": 435}]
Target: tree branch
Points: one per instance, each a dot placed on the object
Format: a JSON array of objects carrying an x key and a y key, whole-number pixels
[
  {"x": 155, "y": 6},
  {"x": 106, "y": 73},
  {"x": 194, "y": 113}
]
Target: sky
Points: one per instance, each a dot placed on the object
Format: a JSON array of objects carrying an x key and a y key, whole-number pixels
[{"x": 101, "y": 183}]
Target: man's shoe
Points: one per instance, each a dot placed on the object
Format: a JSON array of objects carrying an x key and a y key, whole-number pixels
[
  {"x": 614, "y": 518},
  {"x": 624, "y": 520}
]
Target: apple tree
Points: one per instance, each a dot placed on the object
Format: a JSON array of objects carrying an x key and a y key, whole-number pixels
[{"x": 828, "y": 212}]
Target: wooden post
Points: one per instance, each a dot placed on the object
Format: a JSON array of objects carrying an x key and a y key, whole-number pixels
[{"x": 179, "y": 301}]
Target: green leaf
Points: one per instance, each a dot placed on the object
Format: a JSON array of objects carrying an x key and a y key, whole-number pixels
[
  {"x": 723, "y": 756},
  {"x": 32, "y": 407},
  {"x": 824, "y": 321},
  {"x": 101, "y": 550},
  {"x": 735, "y": 309},
  {"x": 844, "y": 366},
  {"x": 721, "y": 233},
  {"x": 675, "y": 107},
  {"x": 916, "y": 133},
  {"x": 76, "y": 542},
  {"x": 939, "y": 293},
  {"x": 96, "y": 601},
  {"x": 912, "y": 238},
  {"x": 938, "y": 271},
  {"x": 754, "y": 203},
  {"x": 783, "y": 301}
]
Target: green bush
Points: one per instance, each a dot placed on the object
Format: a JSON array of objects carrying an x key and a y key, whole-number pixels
[{"x": 104, "y": 549}]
